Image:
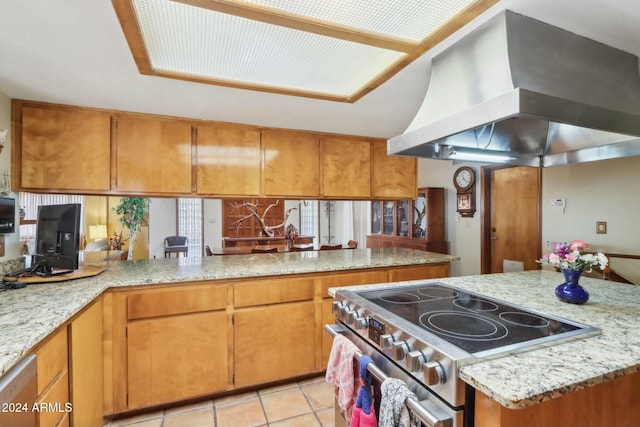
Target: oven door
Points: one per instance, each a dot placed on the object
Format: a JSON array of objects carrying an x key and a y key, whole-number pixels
[{"x": 430, "y": 409}]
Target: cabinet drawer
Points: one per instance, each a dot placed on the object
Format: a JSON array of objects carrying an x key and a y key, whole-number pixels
[
  {"x": 430, "y": 271},
  {"x": 52, "y": 359},
  {"x": 262, "y": 292},
  {"x": 176, "y": 300},
  {"x": 55, "y": 402},
  {"x": 350, "y": 279}
]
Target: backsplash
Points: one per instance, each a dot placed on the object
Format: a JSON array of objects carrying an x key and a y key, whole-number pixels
[{"x": 11, "y": 265}]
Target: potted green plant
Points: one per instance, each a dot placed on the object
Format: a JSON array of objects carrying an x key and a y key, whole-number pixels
[{"x": 132, "y": 211}]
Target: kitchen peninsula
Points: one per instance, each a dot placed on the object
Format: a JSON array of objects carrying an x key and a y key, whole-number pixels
[
  {"x": 591, "y": 381},
  {"x": 156, "y": 313},
  {"x": 255, "y": 308}
]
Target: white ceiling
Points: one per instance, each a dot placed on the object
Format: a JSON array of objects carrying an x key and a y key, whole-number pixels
[{"x": 74, "y": 52}]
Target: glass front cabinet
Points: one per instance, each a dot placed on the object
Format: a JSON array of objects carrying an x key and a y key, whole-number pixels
[{"x": 415, "y": 224}]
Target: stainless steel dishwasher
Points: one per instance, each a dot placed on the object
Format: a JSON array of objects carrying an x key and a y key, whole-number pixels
[{"x": 18, "y": 393}]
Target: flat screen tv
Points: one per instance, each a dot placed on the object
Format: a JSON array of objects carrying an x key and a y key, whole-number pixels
[
  {"x": 7, "y": 215},
  {"x": 57, "y": 238}
]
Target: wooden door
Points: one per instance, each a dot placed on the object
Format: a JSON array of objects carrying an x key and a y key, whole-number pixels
[
  {"x": 65, "y": 149},
  {"x": 346, "y": 168},
  {"x": 228, "y": 160},
  {"x": 154, "y": 155},
  {"x": 176, "y": 357},
  {"x": 512, "y": 229},
  {"x": 275, "y": 342},
  {"x": 291, "y": 163}
]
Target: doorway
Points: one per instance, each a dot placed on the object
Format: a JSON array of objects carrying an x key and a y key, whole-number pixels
[{"x": 511, "y": 221}]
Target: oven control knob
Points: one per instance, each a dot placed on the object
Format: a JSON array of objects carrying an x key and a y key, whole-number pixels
[
  {"x": 399, "y": 350},
  {"x": 351, "y": 316},
  {"x": 415, "y": 360},
  {"x": 385, "y": 341},
  {"x": 335, "y": 307},
  {"x": 344, "y": 313},
  {"x": 434, "y": 373},
  {"x": 362, "y": 323}
]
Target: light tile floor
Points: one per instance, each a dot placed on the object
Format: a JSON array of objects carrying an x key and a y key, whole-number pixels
[{"x": 307, "y": 403}]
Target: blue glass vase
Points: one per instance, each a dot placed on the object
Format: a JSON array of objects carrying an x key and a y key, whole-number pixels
[{"x": 570, "y": 291}]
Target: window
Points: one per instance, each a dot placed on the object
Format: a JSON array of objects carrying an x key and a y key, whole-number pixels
[
  {"x": 309, "y": 225},
  {"x": 190, "y": 224},
  {"x": 30, "y": 203}
]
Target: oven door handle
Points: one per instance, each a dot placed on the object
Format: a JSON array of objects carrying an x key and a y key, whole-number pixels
[{"x": 427, "y": 417}]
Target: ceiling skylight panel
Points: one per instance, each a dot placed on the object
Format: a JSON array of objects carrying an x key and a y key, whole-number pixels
[
  {"x": 195, "y": 41},
  {"x": 406, "y": 19}
]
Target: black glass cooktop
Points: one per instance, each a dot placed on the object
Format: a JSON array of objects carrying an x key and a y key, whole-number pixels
[{"x": 470, "y": 321}]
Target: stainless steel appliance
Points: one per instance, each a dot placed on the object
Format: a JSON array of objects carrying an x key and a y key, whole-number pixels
[
  {"x": 18, "y": 393},
  {"x": 522, "y": 92},
  {"x": 423, "y": 333}
]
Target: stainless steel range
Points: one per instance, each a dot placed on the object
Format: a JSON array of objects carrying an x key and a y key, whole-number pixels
[{"x": 424, "y": 333}]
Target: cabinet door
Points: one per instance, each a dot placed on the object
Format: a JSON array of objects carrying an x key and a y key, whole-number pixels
[
  {"x": 346, "y": 168},
  {"x": 154, "y": 155},
  {"x": 393, "y": 177},
  {"x": 53, "y": 379},
  {"x": 291, "y": 163},
  {"x": 274, "y": 343},
  {"x": 65, "y": 149},
  {"x": 176, "y": 358},
  {"x": 228, "y": 160},
  {"x": 86, "y": 372}
]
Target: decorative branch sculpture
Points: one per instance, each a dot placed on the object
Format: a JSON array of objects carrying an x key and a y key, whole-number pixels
[
  {"x": 417, "y": 222},
  {"x": 266, "y": 230}
]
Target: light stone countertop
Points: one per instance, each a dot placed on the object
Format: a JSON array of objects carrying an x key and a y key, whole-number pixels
[
  {"x": 524, "y": 379},
  {"x": 30, "y": 314}
]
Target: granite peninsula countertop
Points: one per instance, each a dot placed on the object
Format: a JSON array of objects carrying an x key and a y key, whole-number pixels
[
  {"x": 524, "y": 379},
  {"x": 30, "y": 314}
]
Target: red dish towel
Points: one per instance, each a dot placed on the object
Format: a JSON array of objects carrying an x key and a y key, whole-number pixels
[{"x": 340, "y": 371}]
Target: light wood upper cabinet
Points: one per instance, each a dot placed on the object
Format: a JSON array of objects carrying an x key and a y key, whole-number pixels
[
  {"x": 392, "y": 177},
  {"x": 62, "y": 148},
  {"x": 346, "y": 168},
  {"x": 291, "y": 163},
  {"x": 228, "y": 160},
  {"x": 153, "y": 155}
]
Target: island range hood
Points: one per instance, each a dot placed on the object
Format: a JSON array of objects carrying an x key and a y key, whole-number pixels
[{"x": 522, "y": 92}]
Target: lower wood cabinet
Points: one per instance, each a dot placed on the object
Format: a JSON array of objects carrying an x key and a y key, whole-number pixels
[
  {"x": 86, "y": 367},
  {"x": 612, "y": 403},
  {"x": 274, "y": 343},
  {"x": 176, "y": 358},
  {"x": 53, "y": 380},
  {"x": 166, "y": 344}
]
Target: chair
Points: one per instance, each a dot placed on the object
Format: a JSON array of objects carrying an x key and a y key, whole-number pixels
[
  {"x": 176, "y": 245},
  {"x": 352, "y": 244},
  {"x": 263, "y": 251},
  {"x": 330, "y": 247},
  {"x": 301, "y": 248},
  {"x": 207, "y": 250}
]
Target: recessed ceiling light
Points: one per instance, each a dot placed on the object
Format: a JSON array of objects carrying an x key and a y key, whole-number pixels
[{"x": 329, "y": 50}]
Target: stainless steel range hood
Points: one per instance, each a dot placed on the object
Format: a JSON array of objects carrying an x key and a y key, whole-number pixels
[{"x": 531, "y": 94}]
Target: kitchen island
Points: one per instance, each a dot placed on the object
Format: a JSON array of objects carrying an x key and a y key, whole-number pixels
[
  {"x": 155, "y": 308},
  {"x": 587, "y": 381}
]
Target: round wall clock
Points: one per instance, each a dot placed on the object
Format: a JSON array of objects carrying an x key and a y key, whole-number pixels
[{"x": 464, "y": 178}]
